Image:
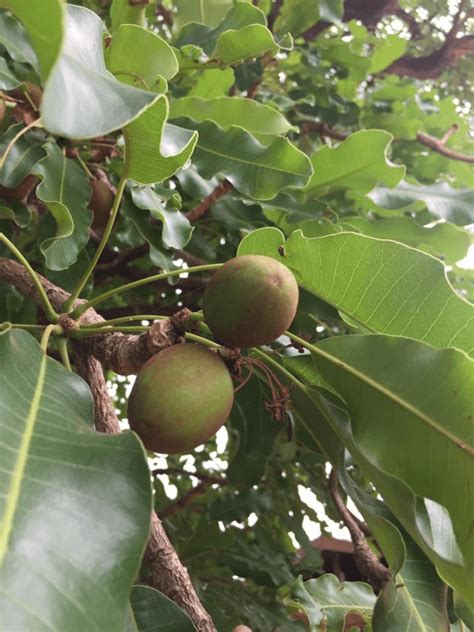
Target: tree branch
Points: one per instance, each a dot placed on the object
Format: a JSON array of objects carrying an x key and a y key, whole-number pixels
[
  {"x": 436, "y": 144},
  {"x": 201, "y": 209},
  {"x": 168, "y": 575},
  {"x": 366, "y": 560},
  {"x": 124, "y": 354}
]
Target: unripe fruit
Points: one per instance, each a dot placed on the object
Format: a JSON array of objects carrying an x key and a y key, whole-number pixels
[
  {"x": 101, "y": 203},
  {"x": 250, "y": 301},
  {"x": 180, "y": 398}
]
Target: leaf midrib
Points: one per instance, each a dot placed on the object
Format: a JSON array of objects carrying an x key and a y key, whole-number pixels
[{"x": 17, "y": 478}]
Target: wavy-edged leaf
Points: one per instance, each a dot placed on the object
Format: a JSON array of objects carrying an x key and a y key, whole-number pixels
[
  {"x": 155, "y": 149},
  {"x": 446, "y": 240},
  {"x": 17, "y": 211},
  {"x": 359, "y": 162},
  {"x": 215, "y": 82},
  {"x": 296, "y": 16},
  {"x": 257, "y": 170},
  {"x": 44, "y": 23},
  {"x": 177, "y": 230},
  {"x": 62, "y": 481},
  {"x": 154, "y": 612},
  {"x": 383, "y": 285},
  {"x": 326, "y": 601},
  {"x": 82, "y": 99},
  {"x": 241, "y": 35},
  {"x": 122, "y": 12},
  {"x": 209, "y": 12},
  {"x": 138, "y": 56},
  {"x": 258, "y": 119},
  {"x": 22, "y": 157},
  {"x": 14, "y": 37},
  {"x": 442, "y": 201},
  {"x": 404, "y": 397},
  {"x": 66, "y": 192}
]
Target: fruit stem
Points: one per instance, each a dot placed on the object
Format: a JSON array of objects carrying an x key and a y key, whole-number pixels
[
  {"x": 204, "y": 341},
  {"x": 134, "y": 284},
  {"x": 7, "y": 325},
  {"x": 123, "y": 319},
  {"x": 83, "y": 332},
  {"x": 105, "y": 237},
  {"x": 63, "y": 352},
  {"x": 47, "y": 333},
  {"x": 294, "y": 380},
  {"x": 51, "y": 315}
]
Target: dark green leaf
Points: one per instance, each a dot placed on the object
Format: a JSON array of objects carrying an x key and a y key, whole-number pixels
[{"x": 154, "y": 612}]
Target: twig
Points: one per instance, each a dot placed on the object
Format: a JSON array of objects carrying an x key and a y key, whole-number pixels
[
  {"x": 184, "y": 501},
  {"x": 437, "y": 144},
  {"x": 201, "y": 209},
  {"x": 366, "y": 560},
  {"x": 323, "y": 129}
]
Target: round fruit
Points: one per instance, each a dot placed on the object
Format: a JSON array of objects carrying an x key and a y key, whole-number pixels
[
  {"x": 250, "y": 301},
  {"x": 180, "y": 398}
]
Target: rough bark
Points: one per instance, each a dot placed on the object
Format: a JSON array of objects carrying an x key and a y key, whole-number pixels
[{"x": 123, "y": 354}]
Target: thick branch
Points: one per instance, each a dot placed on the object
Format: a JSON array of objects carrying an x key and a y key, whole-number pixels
[
  {"x": 124, "y": 354},
  {"x": 365, "y": 559},
  {"x": 168, "y": 575},
  {"x": 201, "y": 209}
]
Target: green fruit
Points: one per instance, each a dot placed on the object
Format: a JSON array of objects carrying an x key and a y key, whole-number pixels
[
  {"x": 180, "y": 398},
  {"x": 250, "y": 301}
]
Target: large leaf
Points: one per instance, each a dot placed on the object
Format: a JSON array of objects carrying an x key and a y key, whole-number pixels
[
  {"x": 455, "y": 205},
  {"x": 138, "y": 56},
  {"x": 82, "y": 99},
  {"x": 44, "y": 23},
  {"x": 382, "y": 285},
  {"x": 151, "y": 611},
  {"x": 22, "y": 157},
  {"x": 296, "y": 16},
  {"x": 16, "y": 40},
  {"x": 241, "y": 35},
  {"x": 399, "y": 394},
  {"x": 209, "y": 12},
  {"x": 155, "y": 149},
  {"x": 326, "y": 601},
  {"x": 66, "y": 192},
  {"x": 359, "y": 162},
  {"x": 8, "y": 81},
  {"x": 72, "y": 500},
  {"x": 176, "y": 227},
  {"x": 254, "y": 169},
  {"x": 256, "y": 118},
  {"x": 443, "y": 239}
]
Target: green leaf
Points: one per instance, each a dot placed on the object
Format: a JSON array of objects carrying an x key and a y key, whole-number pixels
[
  {"x": 156, "y": 150},
  {"x": 382, "y": 285},
  {"x": 258, "y": 119},
  {"x": 214, "y": 82},
  {"x": 177, "y": 230},
  {"x": 16, "y": 211},
  {"x": 239, "y": 505},
  {"x": 22, "y": 157},
  {"x": 387, "y": 51},
  {"x": 8, "y": 81},
  {"x": 122, "y": 12},
  {"x": 43, "y": 22},
  {"x": 16, "y": 40},
  {"x": 399, "y": 395},
  {"x": 254, "y": 169},
  {"x": 359, "y": 162},
  {"x": 241, "y": 35},
  {"x": 296, "y": 16},
  {"x": 326, "y": 601},
  {"x": 256, "y": 431},
  {"x": 82, "y": 99},
  {"x": 61, "y": 482},
  {"x": 138, "y": 56},
  {"x": 416, "y": 598},
  {"x": 209, "y": 12},
  {"x": 454, "y": 205},
  {"x": 443, "y": 239},
  {"x": 66, "y": 192},
  {"x": 154, "y": 612}
]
